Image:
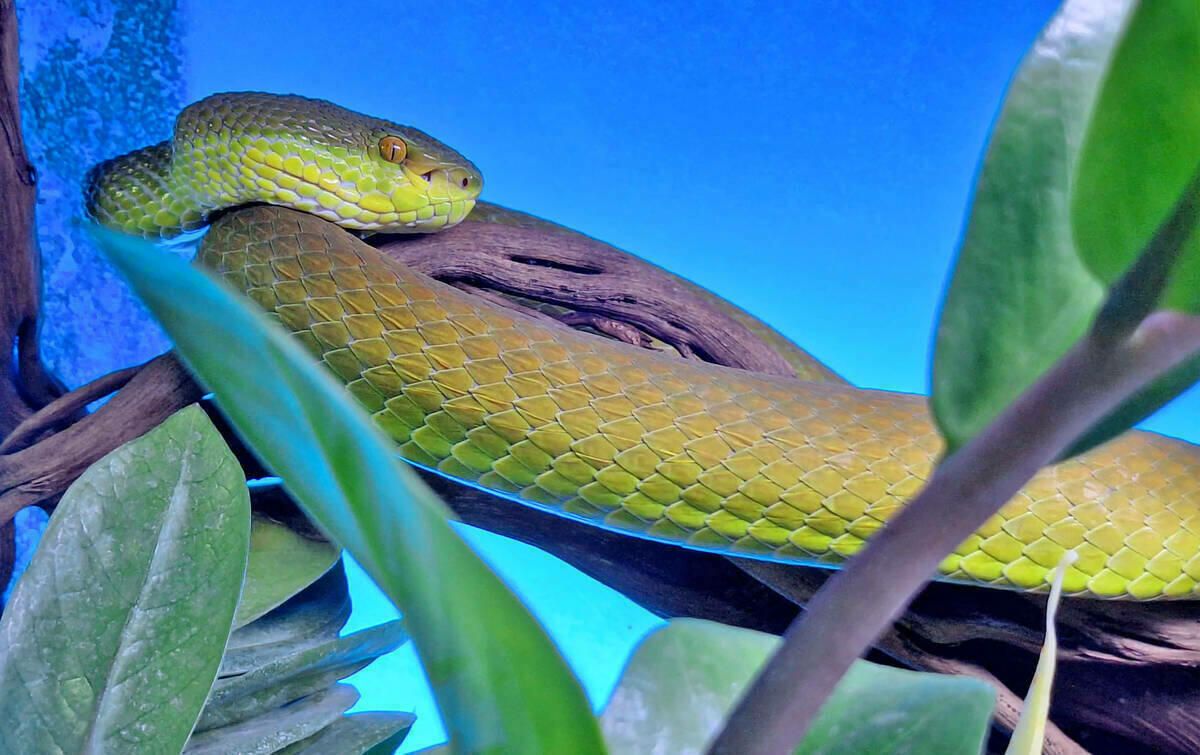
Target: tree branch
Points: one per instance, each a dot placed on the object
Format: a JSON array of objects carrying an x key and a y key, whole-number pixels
[
  {"x": 591, "y": 277},
  {"x": 25, "y": 385},
  {"x": 20, "y": 274},
  {"x": 65, "y": 409},
  {"x": 41, "y": 472}
]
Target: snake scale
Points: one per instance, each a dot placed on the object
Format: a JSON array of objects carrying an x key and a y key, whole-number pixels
[{"x": 630, "y": 439}]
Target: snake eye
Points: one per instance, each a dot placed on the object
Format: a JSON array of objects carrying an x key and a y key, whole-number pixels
[{"x": 393, "y": 149}]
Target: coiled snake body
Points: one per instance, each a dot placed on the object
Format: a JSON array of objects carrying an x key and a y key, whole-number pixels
[{"x": 637, "y": 441}]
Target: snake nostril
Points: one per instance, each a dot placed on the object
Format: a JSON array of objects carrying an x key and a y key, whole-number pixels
[{"x": 428, "y": 176}]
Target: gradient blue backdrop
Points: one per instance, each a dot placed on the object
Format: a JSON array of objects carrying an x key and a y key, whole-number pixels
[{"x": 810, "y": 161}]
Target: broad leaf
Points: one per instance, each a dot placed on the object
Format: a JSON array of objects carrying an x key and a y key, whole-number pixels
[
  {"x": 1020, "y": 296},
  {"x": 357, "y": 733},
  {"x": 498, "y": 680},
  {"x": 1143, "y": 147},
  {"x": 277, "y": 729},
  {"x": 301, "y": 673},
  {"x": 282, "y": 563},
  {"x": 114, "y": 635},
  {"x": 683, "y": 679}
]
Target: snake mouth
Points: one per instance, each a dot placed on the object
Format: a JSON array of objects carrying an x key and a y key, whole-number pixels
[
  {"x": 450, "y": 194},
  {"x": 432, "y": 199},
  {"x": 445, "y": 215}
]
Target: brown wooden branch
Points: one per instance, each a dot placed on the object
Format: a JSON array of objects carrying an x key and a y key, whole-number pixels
[
  {"x": 40, "y": 473},
  {"x": 20, "y": 273},
  {"x": 64, "y": 409},
  {"x": 24, "y": 385},
  {"x": 591, "y": 277}
]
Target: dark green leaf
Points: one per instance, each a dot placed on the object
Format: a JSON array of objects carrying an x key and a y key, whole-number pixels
[
  {"x": 370, "y": 733},
  {"x": 683, "y": 679},
  {"x": 313, "y": 616},
  {"x": 282, "y": 563},
  {"x": 1143, "y": 147},
  {"x": 1020, "y": 296},
  {"x": 498, "y": 680},
  {"x": 277, "y": 729},
  {"x": 238, "y": 698},
  {"x": 114, "y": 634}
]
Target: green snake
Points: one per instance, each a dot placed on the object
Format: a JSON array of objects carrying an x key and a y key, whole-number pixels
[{"x": 633, "y": 440}]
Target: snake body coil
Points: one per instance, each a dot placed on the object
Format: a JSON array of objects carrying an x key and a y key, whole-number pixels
[{"x": 638, "y": 441}]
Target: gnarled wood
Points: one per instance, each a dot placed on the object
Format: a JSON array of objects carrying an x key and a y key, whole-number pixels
[
  {"x": 593, "y": 278},
  {"x": 40, "y": 473}
]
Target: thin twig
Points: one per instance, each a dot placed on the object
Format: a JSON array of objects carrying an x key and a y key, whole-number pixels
[
  {"x": 41, "y": 472},
  {"x": 65, "y": 408},
  {"x": 859, "y": 602}
]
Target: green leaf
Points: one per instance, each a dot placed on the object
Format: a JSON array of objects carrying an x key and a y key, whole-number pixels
[
  {"x": 1143, "y": 147},
  {"x": 314, "y": 615},
  {"x": 1020, "y": 295},
  {"x": 237, "y": 698},
  {"x": 879, "y": 709},
  {"x": 277, "y": 729},
  {"x": 684, "y": 678},
  {"x": 357, "y": 733},
  {"x": 114, "y": 634},
  {"x": 499, "y": 681},
  {"x": 282, "y": 563}
]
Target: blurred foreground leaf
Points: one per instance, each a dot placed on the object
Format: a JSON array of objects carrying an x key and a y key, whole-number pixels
[
  {"x": 114, "y": 634},
  {"x": 1020, "y": 294},
  {"x": 498, "y": 680},
  {"x": 684, "y": 678}
]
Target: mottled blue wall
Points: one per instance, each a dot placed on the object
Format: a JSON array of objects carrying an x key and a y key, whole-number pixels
[{"x": 98, "y": 77}]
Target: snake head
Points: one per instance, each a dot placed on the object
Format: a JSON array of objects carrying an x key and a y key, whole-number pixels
[
  {"x": 427, "y": 185},
  {"x": 354, "y": 170}
]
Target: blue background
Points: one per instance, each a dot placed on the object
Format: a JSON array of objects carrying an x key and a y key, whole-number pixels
[{"x": 811, "y": 162}]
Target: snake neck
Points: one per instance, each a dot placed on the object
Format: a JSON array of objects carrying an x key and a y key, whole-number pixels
[{"x": 141, "y": 193}]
